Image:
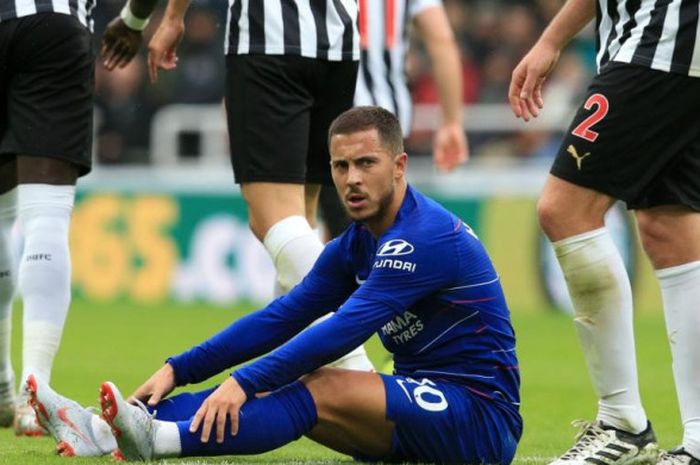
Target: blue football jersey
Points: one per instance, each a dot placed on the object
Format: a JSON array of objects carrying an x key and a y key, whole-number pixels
[{"x": 426, "y": 286}]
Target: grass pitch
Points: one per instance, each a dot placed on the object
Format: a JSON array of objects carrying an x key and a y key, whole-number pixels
[{"x": 125, "y": 343}]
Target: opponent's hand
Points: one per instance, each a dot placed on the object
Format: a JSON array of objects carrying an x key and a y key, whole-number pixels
[
  {"x": 158, "y": 386},
  {"x": 120, "y": 44},
  {"x": 163, "y": 46},
  {"x": 450, "y": 147},
  {"x": 225, "y": 401},
  {"x": 525, "y": 92}
]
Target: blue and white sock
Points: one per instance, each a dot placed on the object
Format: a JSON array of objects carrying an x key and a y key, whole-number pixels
[{"x": 265, "y": 424}]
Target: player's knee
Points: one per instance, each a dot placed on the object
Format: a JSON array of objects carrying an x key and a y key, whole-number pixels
[
  {"x": 658, "y": 240},
  {"x": 549, "y": 215}
]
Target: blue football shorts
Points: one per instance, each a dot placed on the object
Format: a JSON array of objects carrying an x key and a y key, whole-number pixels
[{"x": 442, "y": 422}]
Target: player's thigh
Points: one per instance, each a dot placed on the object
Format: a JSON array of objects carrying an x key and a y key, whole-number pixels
[
  {"x": 634, "y": 124},
  {"x": 445, "y": 422},
  {"x": 50, "y": 93},
  {"x": 334, "y": 92},
  {"x": 268, "y": 110},
  {"x": 270, "y": 202},
  {"x": 351, "y": 407}
]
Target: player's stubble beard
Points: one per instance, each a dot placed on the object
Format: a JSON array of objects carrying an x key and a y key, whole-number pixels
[{"x": 382, "y": 207}]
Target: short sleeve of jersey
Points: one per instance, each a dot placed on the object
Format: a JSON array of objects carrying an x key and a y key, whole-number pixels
[
  {"x": 415, "y": 7},
  {"x": 410, "y": 265}
]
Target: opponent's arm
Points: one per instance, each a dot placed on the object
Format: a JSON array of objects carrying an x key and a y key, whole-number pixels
[
  {"x": 525, "y": 93},
  {"x": 123, "y": 36},
  {"x": 450, "y": 143}
]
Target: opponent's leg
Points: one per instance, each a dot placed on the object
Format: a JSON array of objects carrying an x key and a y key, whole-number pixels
[
  {"x": 8, "y": 213},
  {"x": 46, "y": 193},
  {"x": 669, "y": 235},
  {"x": 573, "y": 219}
]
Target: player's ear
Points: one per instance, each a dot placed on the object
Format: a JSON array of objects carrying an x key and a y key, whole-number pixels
[{"x": 400, "y": 163}]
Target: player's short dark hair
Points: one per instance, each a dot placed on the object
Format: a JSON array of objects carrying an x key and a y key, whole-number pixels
[{"x": 363, "y": 118}]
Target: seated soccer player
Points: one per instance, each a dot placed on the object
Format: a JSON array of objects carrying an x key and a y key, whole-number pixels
[{"x": 406, "y": 269}]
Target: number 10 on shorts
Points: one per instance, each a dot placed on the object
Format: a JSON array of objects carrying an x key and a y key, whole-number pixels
[{"x": 424, "y": 393}]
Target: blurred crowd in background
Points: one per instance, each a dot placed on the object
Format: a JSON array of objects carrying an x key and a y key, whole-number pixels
[{"x": 493, "y": 35}]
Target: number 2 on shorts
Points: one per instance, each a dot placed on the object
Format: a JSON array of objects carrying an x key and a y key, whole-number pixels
[{"x": 583, "y": 130}]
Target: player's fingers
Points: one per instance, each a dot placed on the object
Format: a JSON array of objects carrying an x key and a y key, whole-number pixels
[
  {"x": 538, "y": 93},
  {"x": 197, "y": 419},
  {"x": 104, "y": 48},
  {"x": 514, "y": 93},
  {"x": 152, "y": 67},
  {"x": 207, "y": 424},
  {"x": 528, "y": 91},
  {"x": 140, "y": 393},
  {"x": 117, "y": 59},
  {"x": 234, "y": 413},
  {"x": 220, "y": 426},
  {"x": 155, "y": 397},
  {"x": 113, "y": 56}
]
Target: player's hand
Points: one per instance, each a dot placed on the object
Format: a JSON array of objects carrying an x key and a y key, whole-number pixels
[
  {"x": 525, "y": 92},
  {"x": 163, "y": 46},
  {"x": 120, "y": 44},
  {"x": 450, "y": 147},
  {"x": 225, "y": 401},
  {"x": 158, "y": 386}
]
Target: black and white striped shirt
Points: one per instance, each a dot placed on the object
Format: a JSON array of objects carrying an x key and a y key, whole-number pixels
[
  {"x": 659, "y": 34},
  {"x": 383, "y": 46},
  {"x": 324, "y": 29},
  {"x": 81, "y": 9}
]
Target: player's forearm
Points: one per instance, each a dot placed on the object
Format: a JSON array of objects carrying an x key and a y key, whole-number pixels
[
  {"x": 317, "y": 346},
  {"x": 247, "y": 338},
  {"x": 435, "y": 29},
  {"x": 568, "y": 22},
  {"x": 447, "y": 69},
  {"x": 176, "y": 9}
]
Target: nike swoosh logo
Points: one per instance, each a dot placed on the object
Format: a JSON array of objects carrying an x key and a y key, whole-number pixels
[
  {"x": 62, "y": 414},
  {"x": 359, "y": 281}
]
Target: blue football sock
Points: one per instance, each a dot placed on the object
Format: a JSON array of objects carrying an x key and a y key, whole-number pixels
[
  {"x": 264, "y": 424},
  {"x": 180, "y": 407}
]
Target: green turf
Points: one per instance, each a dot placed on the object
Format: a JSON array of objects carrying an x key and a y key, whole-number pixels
[{"x": 125, "y": 343}]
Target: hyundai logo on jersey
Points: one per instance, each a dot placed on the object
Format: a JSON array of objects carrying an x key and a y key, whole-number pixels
[{"x": 395, "y": 247}]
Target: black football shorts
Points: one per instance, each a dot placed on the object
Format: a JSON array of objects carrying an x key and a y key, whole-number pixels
[
  {"x": 279, "y": 109},
  {"x": 636, "y": 138},
  {"x": 46, "y": 88}
]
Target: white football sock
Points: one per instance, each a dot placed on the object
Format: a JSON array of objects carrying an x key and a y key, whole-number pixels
[
  {"x": 680, "y": 292},
  {"x": 102, "y": 433},
  {"x": 8, "y": 213},
  {"x": 602, "y": 296},
  {"x": 166, "y": 441},
  {"x": 294, "y": 248},
  {"x": 44, "y": 272}
]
